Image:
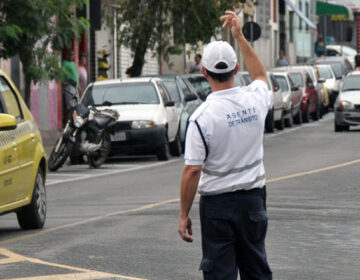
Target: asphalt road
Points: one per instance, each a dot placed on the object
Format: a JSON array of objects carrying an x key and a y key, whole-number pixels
[{"x": 120, "y": 221}]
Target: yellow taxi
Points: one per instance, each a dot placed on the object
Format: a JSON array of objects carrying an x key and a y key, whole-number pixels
[{"x": 23, "y": 162}]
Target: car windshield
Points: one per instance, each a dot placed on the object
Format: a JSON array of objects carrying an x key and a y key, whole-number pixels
[
  {"x": 297, "y": 79},
  {"x": 344, "y": 49},
  {"x": 127, "y": 93},
  {"x": 352, "y": 83},
  {"x": 172, "y": 89},
  {"x": 282, "y": 83},
  {"x": 324, "y": 72}
]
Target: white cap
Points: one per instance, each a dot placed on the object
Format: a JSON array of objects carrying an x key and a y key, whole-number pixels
[{"x": 219, "y": 57}]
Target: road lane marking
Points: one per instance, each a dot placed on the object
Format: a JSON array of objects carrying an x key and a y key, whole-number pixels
[
  {"x": 82, "y": 274},
  {"x": 111, "y": 172},
  {"x": 313, "y": 171}
]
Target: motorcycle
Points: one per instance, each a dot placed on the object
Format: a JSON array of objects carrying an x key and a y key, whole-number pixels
[{"x": 86, "y": 133}]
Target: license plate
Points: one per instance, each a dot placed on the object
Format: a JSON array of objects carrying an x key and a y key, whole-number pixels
[{"x": 118, "y": 136}]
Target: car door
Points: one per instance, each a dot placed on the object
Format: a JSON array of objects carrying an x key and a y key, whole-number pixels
[
  {"x": 8, "y": 160},
  {"x": 296, "y": 95},
  {"x": 172, "y": 114},
  {"x": 25, "y": 142}
]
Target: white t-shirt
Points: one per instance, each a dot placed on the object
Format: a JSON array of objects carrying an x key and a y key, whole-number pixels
[{"x": 225, "y": 136}]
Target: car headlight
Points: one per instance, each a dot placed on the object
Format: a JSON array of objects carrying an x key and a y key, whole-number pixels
[
  {"x": 346, "y": 105},
  {"x": 78, "y": 121},
  {"x": 142, "y": 124}
]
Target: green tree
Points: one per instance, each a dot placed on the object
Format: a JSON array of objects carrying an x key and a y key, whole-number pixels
[
  {"x": 35, "y": 30},
  {"x": 151, "y": 24}
]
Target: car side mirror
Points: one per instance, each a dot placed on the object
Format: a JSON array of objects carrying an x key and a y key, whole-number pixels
[
  {"x": 7, "y": 122},
  {"x": 339, "y": 77},
  {"x": 190, "y": 97},
  {"x": 295, "y": 88},
  {"x": 321, "y": 80},
  {"x": 276, "y": 88},
  {"x": 169, "y": 103}
]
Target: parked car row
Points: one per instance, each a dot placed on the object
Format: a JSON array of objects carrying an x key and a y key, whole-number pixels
[{"x": 155, "y": 111}]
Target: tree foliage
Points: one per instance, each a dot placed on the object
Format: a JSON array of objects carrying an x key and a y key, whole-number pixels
[
  {"x": 35, "y": 30},
  {"x": 166, "y": 25}
]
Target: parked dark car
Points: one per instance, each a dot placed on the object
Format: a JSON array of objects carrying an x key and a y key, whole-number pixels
[{"x": 199, "y": 83}]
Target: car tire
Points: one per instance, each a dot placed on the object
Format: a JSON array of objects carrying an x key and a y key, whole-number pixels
[
  {"x": 306, "y": 116},
  {"x": 339, "y": 128},
  {"x": 176, "y": 146},
  {"x": 298, "y": 118},
  {"x": 269, "y": 121},
  {"x": 163, "y": 153},
  {"x": 280, "y": 124},
  {"x": 33, "y": 216},
  {"x": 289, "y": 122},
  {"x": 316, "y": 114}
]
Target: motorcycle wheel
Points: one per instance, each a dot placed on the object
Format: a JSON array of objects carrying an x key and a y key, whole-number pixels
[
  {"x": 57, "y": 159},
  {"x": 98, "y": 158}
]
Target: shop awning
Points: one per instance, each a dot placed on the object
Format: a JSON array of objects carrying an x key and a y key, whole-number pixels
[
  {"x": 337, "y": 12},
  {"x": 300, "y": 14}
]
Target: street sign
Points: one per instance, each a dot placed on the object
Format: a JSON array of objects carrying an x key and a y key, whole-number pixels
[{"x": 251, "y": 31}]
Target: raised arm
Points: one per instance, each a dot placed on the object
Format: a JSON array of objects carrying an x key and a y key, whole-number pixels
[{"x": 252, "y": 61}]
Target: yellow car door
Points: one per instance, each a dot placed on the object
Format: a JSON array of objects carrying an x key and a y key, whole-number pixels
[
  {"x": 21, "y": 146},
  {"x": 8, "y": 163}
]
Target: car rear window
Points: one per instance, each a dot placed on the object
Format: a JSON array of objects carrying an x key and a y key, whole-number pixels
[
  {"x": 127, "y": 93},
  {"x": 352, "y": 83},
  {"x": 297, "y": 79},
  {"x": 337, "y": 68}
]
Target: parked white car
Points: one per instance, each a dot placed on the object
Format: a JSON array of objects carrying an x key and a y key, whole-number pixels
[
  {"x": 347, "y": 105},
  {"x": 275, "y": 116},
  {"x": 292, "y": 98},
  {"x": 148, "y": 122}
]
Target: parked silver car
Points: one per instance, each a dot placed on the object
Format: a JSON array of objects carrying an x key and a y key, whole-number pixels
[
  {"x": 347, "y": 105},
  {"x": 185, "y": 98},
  {"x": 292, "y": 98}
]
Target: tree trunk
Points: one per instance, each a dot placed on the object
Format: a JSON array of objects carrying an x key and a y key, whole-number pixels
[{"x": 28, "y": 91}]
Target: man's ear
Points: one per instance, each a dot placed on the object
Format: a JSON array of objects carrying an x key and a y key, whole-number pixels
[
  {"x": 203, "y": 70},
  {"x": 237, "y": 67}
]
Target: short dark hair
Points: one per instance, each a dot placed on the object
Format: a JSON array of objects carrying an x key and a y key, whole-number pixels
[
  {"x": 220, "y": 77},
  {"x": 198, "y": 55}
]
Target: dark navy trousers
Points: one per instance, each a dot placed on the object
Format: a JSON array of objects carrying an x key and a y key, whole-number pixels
[{"x": 233, "y": 229}]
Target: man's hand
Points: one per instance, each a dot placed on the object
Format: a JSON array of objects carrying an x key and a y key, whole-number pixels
[
  {"x": 233, "y": 21},
  {"x": 185, "y": 225}
]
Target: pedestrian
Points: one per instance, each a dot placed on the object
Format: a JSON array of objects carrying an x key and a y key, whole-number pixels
[
  {"x": 70, "y": 81},
  {"x": 357, "y": 62},
  {"x": 282, "y": 60},
  {"x": 320, "y": 47},
  {"x": 82, "y": 72},
  {"x": 224, "y": 162},
  {"x": 196, "y": 68}
]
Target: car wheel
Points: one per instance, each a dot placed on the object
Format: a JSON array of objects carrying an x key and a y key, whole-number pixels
[
  {"x": 298, "y": 118},
  {"x": 176, "y": 146},
  {"x": 33, "y": 215},
  {"x": 269, "y": 121},
  {"x": 163, "y": 152},
  {"x": 290, "y": 120},
  {"x": 339, "y": 128},
  {"x": 280, "y": 123},
  {"x": 316, "y": 114},
  {"x": 306, "y": 116}
]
